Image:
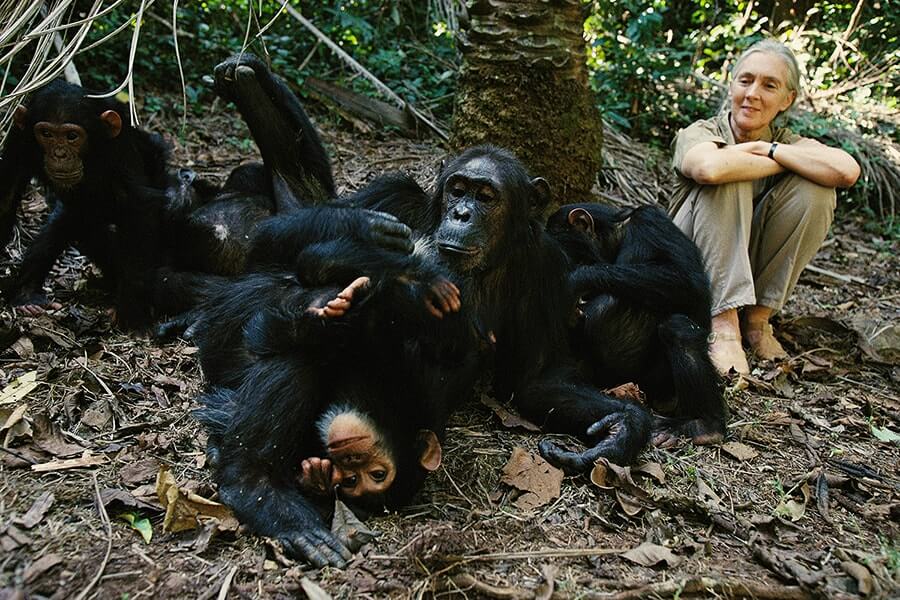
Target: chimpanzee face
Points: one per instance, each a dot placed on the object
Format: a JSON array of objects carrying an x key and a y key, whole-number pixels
[
  {"x": 475, "y": 210},
  {"x": 64, "y": 142},
  {"x": 63, "y": 146}
]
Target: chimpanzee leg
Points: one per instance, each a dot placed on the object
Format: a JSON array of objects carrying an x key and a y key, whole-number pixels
[
  {"x": 290, "y": 147},
  {"x": 617, "y": 429},
  {"x": 702, "y": 411},
  {"x": 259, "y": 450},
  {"x": 16, "y": 170},
  {"x": 49, "y": 243}
]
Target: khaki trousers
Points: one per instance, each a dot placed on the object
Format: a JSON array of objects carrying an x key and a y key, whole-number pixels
[{"x": 756, "y": 236}]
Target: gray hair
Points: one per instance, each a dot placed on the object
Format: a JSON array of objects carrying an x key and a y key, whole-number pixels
[{"x": 770, "y": 46}]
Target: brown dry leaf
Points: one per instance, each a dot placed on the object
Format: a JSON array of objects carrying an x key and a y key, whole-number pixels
[
  {"x": 610, "y": 476},
  {"x": 41, "y": 566},
  {"x": 627, "y": 391},
  {"x": 347, "y": 527},
  {"x": 86, "y": 460},
  {"x": 653, "y": 469},
  {"x": 739, "y": 451},
  {"x": 650, "y": 555},
  {"x": 533, "y": 475},
  {"x": 707, "y": 495},
  {"x": 183, "y": 509},
  {"x": 46, "y": 326},
  {"x": 49, "y": 438},
  {"x": 508, "y": 419},
  {"x": 139, "y": 471},
  {"x": 23, "y": 347},
  {"x": 38, "y": 510},
  {"x": 14, "y": 424},
  {"x": 11, "y": 537},
  {"x": 112, "y": 496},
  {"x": 788, "y": 507}
]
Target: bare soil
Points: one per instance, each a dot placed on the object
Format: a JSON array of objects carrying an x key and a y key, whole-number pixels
[{"x": 803, "y": 502}]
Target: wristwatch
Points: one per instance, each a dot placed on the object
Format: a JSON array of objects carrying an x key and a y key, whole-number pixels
[{"x": 772, "y": 150}]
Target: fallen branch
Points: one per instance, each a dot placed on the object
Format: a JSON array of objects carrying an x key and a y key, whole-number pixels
[
  {"x": 707, "y": 586},
  {"x": 840, "y": 277}
]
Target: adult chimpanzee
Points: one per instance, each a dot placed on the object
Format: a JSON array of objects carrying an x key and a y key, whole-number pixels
[
  {"x": 645, "y": 313},
  {"x": 362, "y": 378},
  {"x": 512, "y": 277},
  {"x": 93, "y": 164},
  {"x": 213, "y": 226}
]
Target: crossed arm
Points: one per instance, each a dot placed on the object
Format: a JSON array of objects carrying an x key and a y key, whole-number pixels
[{"x": 710, "y": 164}]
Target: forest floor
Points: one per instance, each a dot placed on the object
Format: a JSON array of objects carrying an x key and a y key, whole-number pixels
[{"x": 802, "y": 501}]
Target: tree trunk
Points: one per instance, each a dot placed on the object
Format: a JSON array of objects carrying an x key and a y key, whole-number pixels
[{"x": 523, "y": 85}]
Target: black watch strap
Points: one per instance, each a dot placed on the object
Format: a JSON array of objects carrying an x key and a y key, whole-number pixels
[{"x": 772, "y": 150}]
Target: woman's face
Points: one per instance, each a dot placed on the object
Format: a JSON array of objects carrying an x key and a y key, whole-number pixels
[{"x": 759, "y": 91}]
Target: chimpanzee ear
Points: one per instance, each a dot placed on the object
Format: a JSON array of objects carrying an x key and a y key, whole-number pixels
[
  {"x": 113, "y": 122},
  {"x": 19, "y": 116},
  {"x": 581, "y": 220},
  {"x": 431, "y": 453},
  {"x": 542, "y": 193}
]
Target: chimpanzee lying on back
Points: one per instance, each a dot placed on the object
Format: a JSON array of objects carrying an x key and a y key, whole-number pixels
[
  {"x": 645, "y": 313},
  {"x": 94, "y": 166},
  {"x": 513, "y": 280},
  {"x": 364, "y": 379}
]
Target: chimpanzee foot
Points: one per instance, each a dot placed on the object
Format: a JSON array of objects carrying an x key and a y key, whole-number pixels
[
  {"x": 33, "y": 304},
  {"x": 442, "y": 298},
  {"x": 183, "y": 326},
  {"x": 668, "y": 433},
  {"x": 338, "y": 306},
  {"x": 233, "y": 74}
]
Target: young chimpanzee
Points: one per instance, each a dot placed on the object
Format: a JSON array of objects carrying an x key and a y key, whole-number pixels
[
  {"x": 512, "y": 277},
  {"x": 362, "y": 378},
  {"x": 94, "y": 166},
  {"x": 645, "y": 313}
]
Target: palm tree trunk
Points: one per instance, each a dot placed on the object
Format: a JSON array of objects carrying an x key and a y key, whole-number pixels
[{"x": 523, "y": 85}]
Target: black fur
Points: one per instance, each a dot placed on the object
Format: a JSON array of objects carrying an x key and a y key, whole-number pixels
[{"x": 646, "y": 311}]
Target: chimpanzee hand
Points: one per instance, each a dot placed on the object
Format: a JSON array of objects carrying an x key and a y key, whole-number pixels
[
  {"x": 339, "y": 305},
  {"x": 442, "y": 297},
  {"x": 387, "y": 231},
  {"x": 33, "y": 304},
  {"x": 316, "y": 477},
  {"x": 621, "y": 438}
]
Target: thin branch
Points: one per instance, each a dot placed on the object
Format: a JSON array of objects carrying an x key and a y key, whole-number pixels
[{"x": 105, "y": 519}]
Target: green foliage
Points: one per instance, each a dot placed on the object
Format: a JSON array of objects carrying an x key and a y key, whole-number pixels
[
  {"x": 393, "y": 39},
  {"x": 659, "y": 64}
]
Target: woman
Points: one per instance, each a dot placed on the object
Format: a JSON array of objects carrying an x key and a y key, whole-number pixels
[{"x": 757, "y": 200}]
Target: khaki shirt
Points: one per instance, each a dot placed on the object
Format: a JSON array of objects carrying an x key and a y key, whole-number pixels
[{"x": 718, "y": 130}]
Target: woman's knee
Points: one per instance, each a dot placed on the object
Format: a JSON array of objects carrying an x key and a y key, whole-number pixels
[{"x": 812, "y": 202}]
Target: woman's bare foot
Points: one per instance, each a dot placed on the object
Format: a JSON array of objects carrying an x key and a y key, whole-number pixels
[{"x": 725, "y": 348}]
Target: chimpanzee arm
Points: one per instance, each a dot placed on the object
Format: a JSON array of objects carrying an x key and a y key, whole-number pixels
[
  {"x": 263, "y": 433},
  {"x": 655, "y": 286},
  {"x": 49, "y": 243},
  {"x": 280, "y": 240},
  {"x": 290, "y": 146},
  {"x": 16, "y": 170},
  {"x": 615, "y": 429}
]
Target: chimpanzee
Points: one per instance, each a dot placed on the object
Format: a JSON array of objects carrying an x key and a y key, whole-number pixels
[
  {"x": 513, "y": 281},
  {"x": 363, "y": 378},
  {"x": 94, "y": 165},
  {"x": 645, "y": 313},
  {"x": 212, "y": 227}
]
